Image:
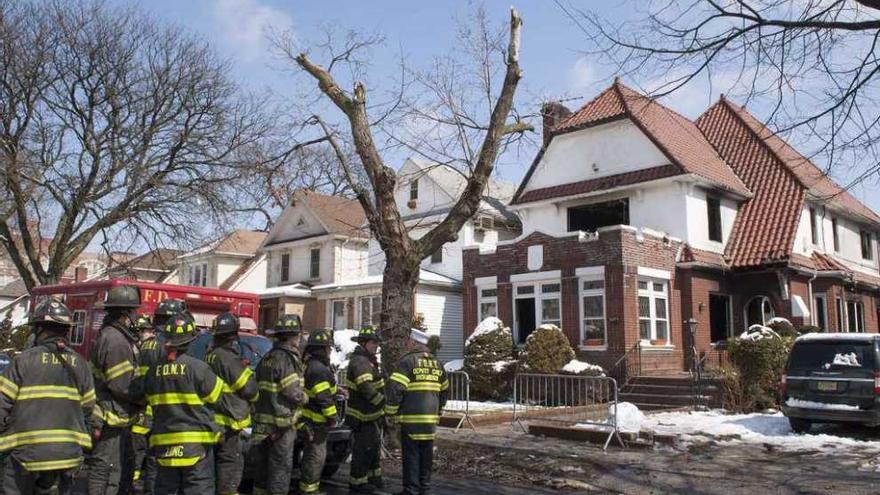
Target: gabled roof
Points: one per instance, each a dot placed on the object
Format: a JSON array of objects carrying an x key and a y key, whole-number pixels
[
  {"x": 240, "y": 242},
  {"x": 240, "y": 272},
  {"x": 679, "y": 139},
  {"x": 343, "y": 216}
]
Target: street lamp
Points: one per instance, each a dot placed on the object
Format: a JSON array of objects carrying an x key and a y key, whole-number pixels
[{"x": 692, "y": 329}]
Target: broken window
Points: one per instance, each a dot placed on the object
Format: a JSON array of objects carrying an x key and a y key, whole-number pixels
[
  {"x": 713, "y": 205},
  {"x": 590, "y": 218}
]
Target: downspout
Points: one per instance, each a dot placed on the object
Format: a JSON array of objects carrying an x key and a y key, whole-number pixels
[{"x": 813, "y": 300}]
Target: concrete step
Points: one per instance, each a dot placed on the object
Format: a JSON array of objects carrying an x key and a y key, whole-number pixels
[
  {"x": 667, "y": 400},
  {"x": 667, "y": 389},
  {"x": 656, "y": 407},
  {"x": 673, "y": 381}
]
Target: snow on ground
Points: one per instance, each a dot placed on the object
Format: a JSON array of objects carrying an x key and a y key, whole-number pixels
[
  {"x": 490, "y": 324},
  {"x": 577, "y": 367},
  {"x": 808, "y": 404},
  {"x": 343, "y": 348},
  {"x": 454, "y": 365},
  {"x": 477, "y": 406},
  {"x": 762, "y": 429}
]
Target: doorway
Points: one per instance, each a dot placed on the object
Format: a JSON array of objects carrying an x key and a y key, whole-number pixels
[
  {"x": 525, "y": 318},
  {"x": 719, "y": 317}
]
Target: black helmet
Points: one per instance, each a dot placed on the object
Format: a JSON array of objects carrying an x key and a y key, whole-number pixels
[
  {"x": 366, "y": 334},
  {"x": 180, "y": 329},
  {"x": 52, "y": 312},
  {"x": 170, "y": 307},
  {"x": 320, "y": 338},
  {"x": 226, "y": 323},
  {"x": 288, "y": 325},
  {"x": 122, "y": 297},
  {"x": 143, "y": 322}
]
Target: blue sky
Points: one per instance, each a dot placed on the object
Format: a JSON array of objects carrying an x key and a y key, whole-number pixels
[{"x": 554, "y": 63}]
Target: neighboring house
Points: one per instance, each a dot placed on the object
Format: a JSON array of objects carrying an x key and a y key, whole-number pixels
[
  {"x": 14, "y": 301},
  {"x": 635, "y": 219},
  {"x": 157, "y": 265},
  {"x": 230, "y": 263}
]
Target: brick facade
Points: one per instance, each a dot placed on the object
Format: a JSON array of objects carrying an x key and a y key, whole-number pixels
[{"x": 623, "y": 252}]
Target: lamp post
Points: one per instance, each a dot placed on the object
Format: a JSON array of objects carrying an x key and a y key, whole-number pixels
[{"x": 692, "y": 330}]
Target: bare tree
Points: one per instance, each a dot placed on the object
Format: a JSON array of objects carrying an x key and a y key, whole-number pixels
[
  {"x": 111, "y": 125},
  {"x": 439, "y": 103},
  {"x": 812, "y": 64}
]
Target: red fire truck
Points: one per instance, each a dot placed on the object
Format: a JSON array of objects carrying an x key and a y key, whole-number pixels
[{"x": 203, "y": 303}]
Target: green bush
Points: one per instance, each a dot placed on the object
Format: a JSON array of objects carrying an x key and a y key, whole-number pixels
[
  {"x": 547, "y": 350},
  {"x": 783, "y": 327},
  {"x": 489, "y": 361},
  {"x": 759, "y": 365},
  {"x": 14, "y": 339}
]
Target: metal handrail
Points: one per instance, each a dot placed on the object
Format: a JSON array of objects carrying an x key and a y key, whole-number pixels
[
  {"x": 626, "y": 361},
  {"x": 697, "y": 369}
]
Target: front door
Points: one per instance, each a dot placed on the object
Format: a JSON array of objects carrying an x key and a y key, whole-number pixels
[
  {"x": 525, "y": 318},
  {"x": 719, "y": 317}
]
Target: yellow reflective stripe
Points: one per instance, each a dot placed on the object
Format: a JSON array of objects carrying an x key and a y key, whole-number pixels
[
  {"x": 421, "y": 436},
  {"x": 290, "y": 380},
  {"x": 214, "y": 396},
  {"x": 268, "y": 419},
  {"x": 8, "y": 387},
  {"x": 48, "y": 392},
  {"x": 140, "y": 430},
  {"x": 110, "y": 418},
  {"x": 174, "y": 398},
  {"x": 44, "y": 436},
  {"x": 142, "y": 370},
  {"x": 179, "y": 437},
  {"x": 423, "y": 387},
  {"x": 391, "y": 410},
  {"x": 88, "y": 397},
  {"x": 329, "y": 411},
  {"x": 377, "y": 399},
  {"x": 444, "y": 385},
  {"x": 380, "y": 383},
  {"x": 242, "y": 380},
  {"x": 269, "y": 386},
  {"x": 361, "y": 416},
  {"x": 52, "y": 465},
  {"x": 320, "y": 387},
  {"x": 148, "y": 411},
  {"x": 118, "y": 370},
  {"x": 308, "y": 487},
  {"x": 223, "y": 420},
  {"x": 358, "y": 481},
  {"x": 418, "y": 419},
  {"x": 363, "y": 378},
  {"x": 313, "y": 416},
  {"x": 177, "y": 461},
  {"x": 400, "y": 378},
  {"x": 377, "y": 472}
]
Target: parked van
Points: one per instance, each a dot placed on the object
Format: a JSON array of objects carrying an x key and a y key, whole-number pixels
[{"x": 832, "y": 378}]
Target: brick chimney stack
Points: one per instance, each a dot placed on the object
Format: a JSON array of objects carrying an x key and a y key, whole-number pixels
[{"x": 553, "y": 113}]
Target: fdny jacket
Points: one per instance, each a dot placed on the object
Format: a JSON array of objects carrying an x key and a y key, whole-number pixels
[
  {"x": 365, "y": 383},
  {"x": 320, "y": 387},
  {"x": 181, "y": 394},
  {"x": 150, "y": 354},
  {"x": 417, "y": 391},
  {"x": 280, "y": 381},
  {"x": 47, "y": 396},
  {"x": 234, "y": 408},
  {"x": 114, "y": 361}
]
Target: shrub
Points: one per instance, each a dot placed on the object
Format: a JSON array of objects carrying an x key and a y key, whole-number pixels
[
  {"x": 737, "y": 399},
  {"x": 547, "y": 350},
  {"x": 759, "y": 364},
  {"x": 581, "y": 368},
  {"x": 810, "y": 329},
  {"x": 14, "y": 339},
  {"x": 489, "y": 360},
  {"x": 783, "y": 327}
]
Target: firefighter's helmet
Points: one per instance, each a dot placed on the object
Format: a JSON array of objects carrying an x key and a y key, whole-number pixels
[
  {"x": 143, "y": 322},
  {"x": 52, "y": 312},
  {"x": 180, "y": 330},
  {"x": 320, "y": 338},
  {"x": 121, "y": 297},
  {"x": 288, "y": 325},
  {"x": 366, "y": 334},
  {"x": 225, "y": 324},
  {"x": 170, "y": 307}
]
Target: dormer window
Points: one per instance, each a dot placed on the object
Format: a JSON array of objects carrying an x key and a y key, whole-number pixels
[
  {"x": 713, "y": 207},
  {"x": 414, "y": 190}
]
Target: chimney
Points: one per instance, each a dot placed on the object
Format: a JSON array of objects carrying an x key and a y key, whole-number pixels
[
  {"x": 553, "y": 113},
  {"x": 80, "y": 274}
]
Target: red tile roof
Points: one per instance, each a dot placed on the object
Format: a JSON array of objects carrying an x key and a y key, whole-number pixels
[
  {"x": 677, "y": 137},
  {"x": 600, "y": 184},
  {"x": 766, "y": 225},
  {"x": 691, "y": 254}
]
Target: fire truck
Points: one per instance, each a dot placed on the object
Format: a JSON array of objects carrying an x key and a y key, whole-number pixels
[{"x": 204, "y": 304}]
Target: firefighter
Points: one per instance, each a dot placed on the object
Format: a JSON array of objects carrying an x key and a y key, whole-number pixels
[
  {"x": 319, "y": 413},
  {"x": 278, "y": 406},
  {"x": 114, "y": 360},
  {"x": 47, "y": 397},
  {"x": 365, "y": 383},
  {"x": 416, "y": 392},
  {"x": 182, "y": 391},
  {"x": 141, "y": 428},
  {"x": 234, "y": 411}
]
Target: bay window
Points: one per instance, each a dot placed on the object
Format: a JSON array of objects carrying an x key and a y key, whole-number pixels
[{"x": 654, "y": 311}]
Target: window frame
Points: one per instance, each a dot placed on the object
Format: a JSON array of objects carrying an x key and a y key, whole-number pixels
[
  {"x": 78, "y": 329},
  {"x": 332, "y": 307},
  {"x": 314, "y": 264},
  {"x": 375, "y": 303},
  {"x": 841, "y": 314},
  {"x": 653, "y": 295},
  {"x": 592, "y": 292},
  {"x": 594, "y": 206},
  {"x": 824, "y": 306},
  {"x": 437, "y": 256},
  {"x": 731, "y": 330},
  {"x": 764, "y": 319},
  {"x": 539, "y": 296},
  {"x": 713, "y": 212},
  {"x": 835, "y": 233},
  {"x": 855, "y": 319},
  {"x": 285, "y": 267},
  {"x": 414, "y": 190},
  {"x": 866, "y": 240},
  {"x": 484, "y": 299},
  {"x": 814, "y": 227}
]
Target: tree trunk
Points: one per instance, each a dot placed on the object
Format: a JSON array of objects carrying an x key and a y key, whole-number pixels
[{"x": 398, "y": 305}]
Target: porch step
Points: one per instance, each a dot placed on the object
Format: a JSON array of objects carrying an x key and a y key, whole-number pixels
[
  {"x": 652, "y": 393},
  {"x": 664, "y": 399}
]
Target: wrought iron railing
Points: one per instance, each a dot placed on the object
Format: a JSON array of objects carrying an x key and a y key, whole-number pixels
[{"x": 629, "y": 365}]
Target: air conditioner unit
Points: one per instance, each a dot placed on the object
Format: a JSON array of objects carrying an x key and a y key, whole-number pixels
[{"x": 484, "y": 223}]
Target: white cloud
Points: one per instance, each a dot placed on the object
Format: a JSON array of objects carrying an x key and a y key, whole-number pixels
[{"x": 243, "y": 25}]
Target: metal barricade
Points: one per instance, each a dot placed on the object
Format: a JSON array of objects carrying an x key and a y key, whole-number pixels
[
  {"x": 569, "y": 399},
  {"x": 459, "y": 398}
]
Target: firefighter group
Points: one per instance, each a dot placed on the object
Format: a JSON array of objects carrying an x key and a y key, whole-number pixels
[{"x": 144, "y": 416}]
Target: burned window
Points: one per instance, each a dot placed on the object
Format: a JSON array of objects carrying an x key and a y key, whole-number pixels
[
  {"x": 590, "y": 218},
  {"x": 713, "y": 206}
]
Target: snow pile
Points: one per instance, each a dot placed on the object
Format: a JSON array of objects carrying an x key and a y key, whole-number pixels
[
  {"x": 500, "y": 366},
  {"x": 477, "y": 406},
  {"x": 629, "y": 417},
  {"x": 759, "y": 429},
  {"x": 576, "y": 367},
  {"x": 759, "y": 332},
  {"x": 454, "y": 365},
  {"x": 343, "y": 347},
  {"x": 778, "y": 320},
  {"x": 808, "y": 404},
  {"x": 849, "y": 359},
  {"x": 490, "y": 324}
]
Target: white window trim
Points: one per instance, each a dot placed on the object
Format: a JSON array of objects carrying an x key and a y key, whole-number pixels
[
  {"x": 81, "y": 323},
  {"x": 374, "y": 300},
  {"x": 486, "y": 300},
  {"x": 331, "y": 313},
  {"x": 481, "y": 281},
  {"x": 546, "y": 277},
  {"x": 652, "y": 296},
  {"x": 763, "y": 316},
  {"x": 593, "y": 277},
  {"x": 311, "y": 275},
  {"x": 663, "y": 275},
  {"x": 538, "y": 298},
  {"x": 860, "y": 315}
]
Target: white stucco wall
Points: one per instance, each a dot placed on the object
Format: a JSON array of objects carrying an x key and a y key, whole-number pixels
[
  {"x": 255, "y": 278},
  {"x": 430, "y": 197},
  {"x": 698, "y": 220},
  {"x": 295, "y": 222},
  {"x": 351, "y": 261},
  {"x": 850, "y": 253},
  {"x": 614, "y": 148}
]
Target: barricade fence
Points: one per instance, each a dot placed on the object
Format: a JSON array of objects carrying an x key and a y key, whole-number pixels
[
  {"x": 568, "y": 399},
  {"x": 459, "y": 398}
]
